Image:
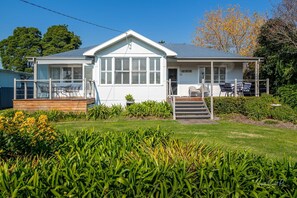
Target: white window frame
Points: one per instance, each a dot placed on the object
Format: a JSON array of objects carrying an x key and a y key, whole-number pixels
[
  {"x": 154, "y": 71},
  {"x": 139, "y": 71},
  {"x": 61, "y": 79},
  {"x": 219, "y": 79},
  {"x": 105, "y": 72},
  {"x": 122, "y": 71}
]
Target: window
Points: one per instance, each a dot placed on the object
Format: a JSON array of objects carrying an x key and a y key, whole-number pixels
[
  {"x": 219, "y": 74},
  {"x": 122, "y": 71},
  {"x": 154, "y": 70},
  {"x": 138, "y": 71},
  {"x": 66, "y": 73},
  {"x": 106, "y": 71}
]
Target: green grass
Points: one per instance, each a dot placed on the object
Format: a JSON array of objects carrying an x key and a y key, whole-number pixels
[{"x": 270, "y": 141}]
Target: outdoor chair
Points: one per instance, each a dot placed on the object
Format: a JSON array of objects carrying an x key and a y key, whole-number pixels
[
  {"x": 228, "y": 89},
  {"x": 247, "y": 89},
  {"x": 193, "y": 91}
]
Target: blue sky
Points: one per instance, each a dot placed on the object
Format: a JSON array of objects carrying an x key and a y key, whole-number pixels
[{"x": 173, "y": 21}]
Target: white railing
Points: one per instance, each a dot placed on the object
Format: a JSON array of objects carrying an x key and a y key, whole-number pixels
[{"x": 53, "y": 89}]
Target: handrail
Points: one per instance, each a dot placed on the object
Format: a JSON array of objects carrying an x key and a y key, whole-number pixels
[{"x": 49, "y": 88}]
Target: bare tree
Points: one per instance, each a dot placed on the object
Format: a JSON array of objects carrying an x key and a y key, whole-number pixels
[{"x": 284, "y": 30}]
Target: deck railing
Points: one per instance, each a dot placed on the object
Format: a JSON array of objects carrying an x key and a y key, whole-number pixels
[
  {"x": 257, "y": 88},
  {"x": 53, "y": 89}
]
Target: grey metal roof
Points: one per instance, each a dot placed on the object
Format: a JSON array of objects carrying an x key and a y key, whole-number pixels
[
  {"x": 192, "y": 51},
  {"x": 77, "y": 53},
  {"x": 184, "y": 51}
]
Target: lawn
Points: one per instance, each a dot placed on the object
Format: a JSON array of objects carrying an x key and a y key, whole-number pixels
[{"x": 263, "y": 140}]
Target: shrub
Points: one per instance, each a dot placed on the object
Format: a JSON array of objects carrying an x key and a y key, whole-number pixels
[
  {"x": 227, "y": 105},
  {"x": 116, "y": 110},
  {"x": 257, "y": 108},
  {"x": 21, "y": 135},
  {"x": 288, "y": 95},
  {"x": 149, "y": 108},
  {"x": 99, "y": 112}
]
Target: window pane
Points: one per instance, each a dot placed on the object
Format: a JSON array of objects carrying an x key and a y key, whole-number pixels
[
  {"x": 118, "y": 78},
  {"x": 207, "y": 70},
  {"x": 109, "y": 64},
  {"x": 109, "y": 77},
  {"x": 55, "y": 73},
  {"x": 152, "y": 64},
  {"x": 157, "y": 77},
  {"x": 143, "y": 64},
  {"x": 222, "y": 70},
  {"x": 118, "y": 64},
  {"x": 152, "y": 77},
  {"x": 125, "y": 63},
  {"x": 125, "y": 77},
  {"x": 77, "y": 73},
  {"x": 135, "y": 64},
  {"x": 143, "y": 78},
  {"x": 158, "y": 64},
  {"x": 67, "y": 73},
  {"x": 103, "y": 64},
  {"x": 103, "y": 78},
  {"x": 135, "y": 78}
]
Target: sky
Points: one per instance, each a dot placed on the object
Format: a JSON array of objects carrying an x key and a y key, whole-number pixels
[{"x": 172, "y": 21}]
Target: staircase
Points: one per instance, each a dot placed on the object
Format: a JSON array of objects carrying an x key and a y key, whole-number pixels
[{"x": 190, "y": 108}]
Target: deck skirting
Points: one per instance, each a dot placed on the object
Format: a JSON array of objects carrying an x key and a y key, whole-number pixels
[{"x": 66, "y": 105}]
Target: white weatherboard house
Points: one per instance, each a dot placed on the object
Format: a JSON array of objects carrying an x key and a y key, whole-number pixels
[{"x": 133, "y": 64}]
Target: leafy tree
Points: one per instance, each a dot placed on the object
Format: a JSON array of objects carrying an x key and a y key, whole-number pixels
[
  {"x": 59, "y": 39},
  {"x": 24, "y": 42},
  {"x": 278, "y": 44},
  {"x": 28, "y": 41},
  {"x": 229, "y": 30}
]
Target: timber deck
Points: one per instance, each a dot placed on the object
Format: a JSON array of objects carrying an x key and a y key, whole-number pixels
[{"x": 66, "y": 105}]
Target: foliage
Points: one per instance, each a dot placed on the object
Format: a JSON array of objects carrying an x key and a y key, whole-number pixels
[
  {"x": 278, "y": 44},
  {"x": 229, "y": 30},
  {"x": 288, "y": 95},
  {"x": 145, "y": 163},
  {"x": 99, "y": 112},
  {"x": 25, "y": 41},
  {"x": 228, "y": 105},
  {"x": 59, "y": 39},
  {"x": 28, "y": 41},
  {"x": 149, "y": 108},
  {"x": 22, "y": 136},
  {"x": 258, "y": 108},
  {"x": 129, "y": 98},
  {"x": 53, "y": 115}
]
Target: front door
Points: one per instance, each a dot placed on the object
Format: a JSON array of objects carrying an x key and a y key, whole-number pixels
[{"x": 172, "y": 74}]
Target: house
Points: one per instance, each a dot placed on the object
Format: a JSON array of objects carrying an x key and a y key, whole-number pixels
[
  {"x": 7, "y": 85},
  {"x": 133, "y": 64}
]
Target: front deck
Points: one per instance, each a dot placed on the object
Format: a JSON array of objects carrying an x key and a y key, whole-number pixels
[
  {"x": 66, "y": 105},
  {"x": 50, "y": 95}
]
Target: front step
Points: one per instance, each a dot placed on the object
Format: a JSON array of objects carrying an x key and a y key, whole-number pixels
[{"x": 191, "y": 108}]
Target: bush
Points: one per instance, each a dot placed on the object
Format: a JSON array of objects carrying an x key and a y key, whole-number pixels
[
  {"x": 288, "y": 95},
  {"x": 257, "y": 108},
  {"x": 21, "y": 136},
  {"x": 228, "y": 105},
  {"x": 99, "y": 112},
  {"x": 149, "y": 108}
]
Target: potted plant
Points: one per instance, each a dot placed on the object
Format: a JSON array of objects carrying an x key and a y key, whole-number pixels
[{"x": 129, "y": 99}]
